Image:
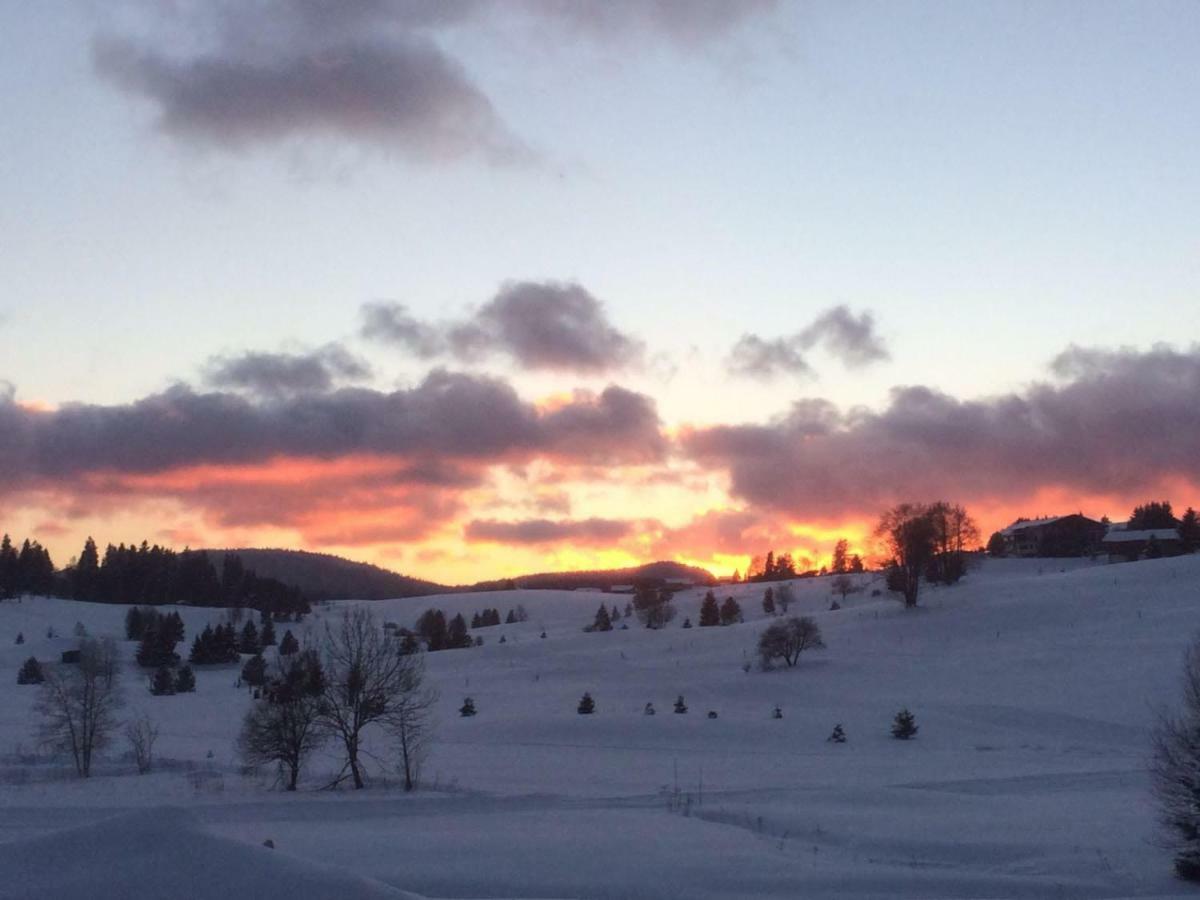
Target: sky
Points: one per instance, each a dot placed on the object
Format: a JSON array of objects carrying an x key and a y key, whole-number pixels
[{"x": 472, "y": 289}]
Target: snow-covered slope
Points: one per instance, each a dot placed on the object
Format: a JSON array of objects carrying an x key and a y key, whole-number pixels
[{"x": 1033, "y": 683}]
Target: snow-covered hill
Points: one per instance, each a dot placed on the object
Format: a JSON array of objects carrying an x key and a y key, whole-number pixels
[{"x": 1033, "y": 683}]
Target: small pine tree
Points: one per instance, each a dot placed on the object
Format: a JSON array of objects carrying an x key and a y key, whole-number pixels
[
  {"x": 20, "y": 637},
  {"x": 680, "y": 706},
  {"x": 777, "y": 712},
  {"x": 710, "y": 613},
  {"x": 185, "y": 681},
  {"x": 731, "y": 612},
  {"x": 290, "y": 645},
  {"x": 266, "y": 635},
  {"x": 587, "y": 705},
  {"x": 602, "y": 621},
  {"x": 648, "y": 709},
  {"x": 30, "y": 672},
  {"x": 543, "y": 635},
  {"x": 615, "y": 615},
  {"x": 511, "y": 618},
  {"x": 904, "y": 726},
  {"x": 687, "y": 623},
  {"x": 769, "y": 601},
  {"x": 468, "y": 707},
  {"x": 163, "y": 682},
  {"x": 503, "y": 640},
  {"x": 249, "y": 640},
  {"x": 838, "y": 735}
]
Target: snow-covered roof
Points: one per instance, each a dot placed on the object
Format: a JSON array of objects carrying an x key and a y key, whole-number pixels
[
  {"x": 1028, "y": 523},
  {"x": 1121, "y": 535}
]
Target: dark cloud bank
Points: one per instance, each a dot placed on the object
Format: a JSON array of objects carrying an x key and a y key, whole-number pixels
[
  {"x": 1111, "y": 422},
  {"x": 850, "y": 339}
]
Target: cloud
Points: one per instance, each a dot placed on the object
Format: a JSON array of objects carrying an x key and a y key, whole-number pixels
[
  {"x": 391, "y": 323},
  {"x": 448, "y": 415},
  {"x": 1111, "y": 422},
  {"x": 592, "y": 532},
  {"x": 850, "y": 339},
  {"x": 539, "y": 325},
  {"x": 239, "y": 74},
  {"x": 280, "y": 374},
  {"x": 405, "y": 95},
  {"x": 754, "y": 357}
]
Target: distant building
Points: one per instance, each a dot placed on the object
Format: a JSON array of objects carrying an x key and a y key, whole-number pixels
[
  {"x": 1072, "y": 535},
  {"x": 1122, "y": 544},
  {"x": 71, "y": 657}
]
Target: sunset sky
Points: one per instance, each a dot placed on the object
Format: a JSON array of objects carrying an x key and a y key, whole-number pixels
[{"x": 472, "y": 289}]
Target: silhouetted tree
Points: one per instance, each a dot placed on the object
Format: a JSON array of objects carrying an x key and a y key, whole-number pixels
[
  {"x": 602, "y": 621},
  {"x": 909, "y": 533},
  {"x": 731, "y": 612},
  {"x": 163, "y": 682},
  {"x": 768, "y": 602},
  {"x": 904, "y": 726},
  {"x": 1175, "y": 771},
  {"x": 185, "y": 680},
  {"x": 1189, "y": 531},
  {"x": 654, "y": 607},
  {"x": 289, "y": 644},
  {"x": 840, "y": 562},
  {"x": 587, "y": 705},
  {"x": 786, "y": 640},
  {"x": 78, "y": 703},
  {"x": 30, "y": 672},
  {"x": 285, "y": 725},
  {"x": 1152, "y": 515},
  {"x": 710, "y": 612}
]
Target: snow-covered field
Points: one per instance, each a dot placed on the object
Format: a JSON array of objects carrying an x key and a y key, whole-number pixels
[{"x": 1033, "y": 682}]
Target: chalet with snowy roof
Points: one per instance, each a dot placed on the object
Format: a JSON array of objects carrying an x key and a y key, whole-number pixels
[
  {"x": 1122, "y": 543},
  {"x": 1071, "y": 535}
]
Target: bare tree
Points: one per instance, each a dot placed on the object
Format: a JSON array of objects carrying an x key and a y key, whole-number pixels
[
  {"x": 844, "y": 585},
  {"x": 79, "y": 702},
  {"x": 409, "y": 718},
  {"x": 141, "y": 733},
  {"x": 286, "y": 725},
  {"x": 1175, "y": 771},
  {"x": 784, "y": 597},
  {"x": 786, "y": 640},
  {"x": 365, "y": 676},
  {"x": 908, "y": 531},
  {"x": 954, "y": 533}
]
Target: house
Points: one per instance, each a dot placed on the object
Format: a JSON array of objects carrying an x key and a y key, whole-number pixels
[
  {"x": 1122, "y": 544},
  {"x": 1071, "y": 535},
  {"x": 71, "y": 657}
]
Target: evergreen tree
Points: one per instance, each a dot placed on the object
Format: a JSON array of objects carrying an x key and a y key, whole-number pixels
[
  {"x": 266, "y": 635},
  {"x": 841, "y": 552},
  {"x": 290, "y": 645},
  {"x": 687, "y": 622},
  {"x": 185, "y": 681},
  {"x": 432, "y": 629},
  {"x": 456, "y": 633},
  {"x": 731, "y": 612},
  {"x": 134, "y": 624},
  {"x": 163, "y": 682},
  {"x": 777, "y": 712},
  {"x": 602, "y": 622},
  {"x": 1189, "y": 531},
  {"x": 85, "y": 579},
  {"x": 511, "y": 618},
  {"x": 587, "y": 705},
  {"x": 856, "y": 564},
  {"x": 20, "y": 637},
  {"x": 8, "y": 568},
  {"x": 838, "y": 735},
  {"x": 768, "y": 602},
  {"x": 249, "y": 639},
  {"x": 615, "y": 614},
  {"x": 680, "y": 706},
  {"x": 904, "y": 726},
  {"x": 710, "y": 613},
  {"x": 30, "y": 672},
  {"x": 157, "y": 648},
  {"x": 173, "y": 626},
  {"x": 254, "y": 672},
  {"x": 468, "y": 707},
  {"x": 225, "y": 644}
]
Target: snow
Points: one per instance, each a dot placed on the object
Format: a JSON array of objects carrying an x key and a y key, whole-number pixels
[{"x": 1033, "y": 683}]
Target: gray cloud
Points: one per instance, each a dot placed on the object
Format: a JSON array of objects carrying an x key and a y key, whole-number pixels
[
  {"x": 450, "y": 416},
  {"x": 391, "y": 323},
  {"x": 280, "y": 374},
  {"x": 1112, "y": 422},
  {"x": 404, "y": 94},
  {"x": 235, "y": 74},
  {"x": 754, "y": 357},
  {"x": 548, "y": 531},
  {"x": 848, "y": 338},
  {"x": 543, "y": 325}
]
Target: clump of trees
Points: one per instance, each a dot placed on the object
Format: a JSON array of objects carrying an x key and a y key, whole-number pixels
[
  {"x": 438, "y": 634},
  {"x": 215, "y": 645},
  {"x": 771, "y": 567},
  {"x": 30, "y": 672},
  {"x": 79, "y": 702},
  {"x": 26, "y": 571},
  {"x": 787, "y": 639},
  {"x": 602, "y": 620},
  {"x": 926, "y": 541},
  {"x": 653, "y": 606},
  {"x": 285, "y": 725},
  {"x": 1175, "y": 771},
  {"x": 843, "y": 561}
]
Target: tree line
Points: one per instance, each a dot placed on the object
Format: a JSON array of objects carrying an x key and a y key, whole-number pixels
[{"x": 146, "y": 574}]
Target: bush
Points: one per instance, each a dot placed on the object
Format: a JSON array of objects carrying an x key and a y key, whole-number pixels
[
  {"x": 587, "y": 705},
  {"x": 680, "y": 706},
  {"x": 468, "y": 707},
  {"x": 904, "y": 726},
  {"x": 786, "y": 640},
  {"x": 838, "y": 736},
  {"x": 20, "y": 637},
  {"x": 31, "y": 672}
]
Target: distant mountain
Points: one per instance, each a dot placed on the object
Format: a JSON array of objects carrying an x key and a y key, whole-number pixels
[
  {"x": 322, "y": 576},
  {"x": 655, "y": 572}
]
